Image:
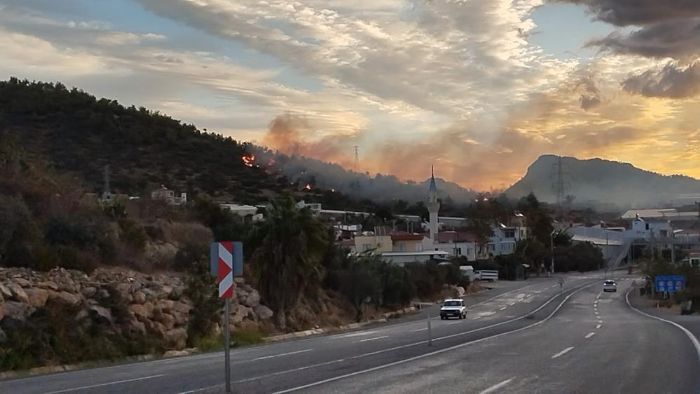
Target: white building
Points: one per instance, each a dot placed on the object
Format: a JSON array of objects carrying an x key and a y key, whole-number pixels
[
  {"x": 244, "y": 211},
  {"x": 433, "y": 207},
  {"x": 458, "y": 244},
  {"x": 167, "y": 195}
]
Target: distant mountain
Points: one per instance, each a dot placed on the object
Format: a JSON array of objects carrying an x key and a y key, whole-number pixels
[
  {"x": 378, "y": 188},
  {"x": 602, "y": 184}
]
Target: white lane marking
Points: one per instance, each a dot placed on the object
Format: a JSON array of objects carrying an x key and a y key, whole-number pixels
[
  {"x": 598, "y": 326},
  {"x": 590, "y": 334},
  {"x": 600, "y": 322},
  {"x": 503, "y": 309},
  {"x": 421, "y": 329},
  {"x": 105, "y": 384},
  {"x": 357, "y": 334},
  {"x": 281, "y": 354},
  {"x": 373, "y": 339},
  {"x": 563, "y": 352},
  {"x": 689, "y": 334},
  {"x": 447, "y": 349},
  {"x": 496, "y": 386}
]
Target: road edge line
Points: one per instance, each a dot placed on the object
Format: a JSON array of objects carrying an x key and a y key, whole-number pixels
[
  {"x": 687, "y": 332},
  {"x": 440, "y": 351}
]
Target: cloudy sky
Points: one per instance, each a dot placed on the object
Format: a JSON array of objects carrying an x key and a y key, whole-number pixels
[{"x": 479, "y": 88}]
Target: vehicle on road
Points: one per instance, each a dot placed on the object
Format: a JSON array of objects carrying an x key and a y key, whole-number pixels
[
  {"x": 453, "y": 307},
  {"x": 609, "y": 285}
]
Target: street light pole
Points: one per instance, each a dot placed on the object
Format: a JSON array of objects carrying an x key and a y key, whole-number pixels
[{"x": 551, "y": 246}]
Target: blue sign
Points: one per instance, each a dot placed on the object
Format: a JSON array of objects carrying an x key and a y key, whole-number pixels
[{"x": 669, "y": 283}]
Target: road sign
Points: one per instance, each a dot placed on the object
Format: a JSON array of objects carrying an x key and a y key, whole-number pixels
[
  {"x": 225, "y": 262},
  {"x": 214, "y": 249},
  {"x": 669, "y": 283}
]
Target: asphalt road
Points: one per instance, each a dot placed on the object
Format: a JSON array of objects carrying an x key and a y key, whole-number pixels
[{"x": 509, "y": 338}]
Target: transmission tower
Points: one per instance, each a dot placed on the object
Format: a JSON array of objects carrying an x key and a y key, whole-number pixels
[
  {"x": 558, "y": 186},
  {"x": 357, "y": 158}
]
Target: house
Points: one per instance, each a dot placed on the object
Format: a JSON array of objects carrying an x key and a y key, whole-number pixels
[
  {"x": 410, "y": 242},
  {"x": 247, "y": 212},
  {"x": 167, "y": 195},
  {"x": 375, "y": 243},
  {"x": 503, "y": 241},
  {"x": 458, "y": 244}
]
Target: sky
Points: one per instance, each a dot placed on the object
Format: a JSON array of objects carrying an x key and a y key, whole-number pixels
[{"x": 477, "y": 88}]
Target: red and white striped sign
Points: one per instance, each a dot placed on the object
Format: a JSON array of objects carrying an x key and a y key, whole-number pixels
[{"x": 224, "y": 272}]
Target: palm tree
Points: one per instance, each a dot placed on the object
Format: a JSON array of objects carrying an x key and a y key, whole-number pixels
[{"x": 288, "y": 260}]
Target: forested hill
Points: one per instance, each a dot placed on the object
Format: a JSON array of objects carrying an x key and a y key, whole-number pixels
[
  {"x": 602, "y": 183},
  {"x": 77, "y": 133}
]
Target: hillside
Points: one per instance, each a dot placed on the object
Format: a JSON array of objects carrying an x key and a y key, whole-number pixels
[
  {"x": 79, "y": 134},
  {"x": 602, "y": 183},
  {"x": 379, "y": 188}
]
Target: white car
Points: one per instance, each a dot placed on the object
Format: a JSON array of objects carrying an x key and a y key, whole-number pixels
[
  {"x": 453, "y": 307},
  {"x": 609, "y": 285}
]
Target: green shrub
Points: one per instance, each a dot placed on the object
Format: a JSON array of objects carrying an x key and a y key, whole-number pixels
[{"x": 246, "y": 336}]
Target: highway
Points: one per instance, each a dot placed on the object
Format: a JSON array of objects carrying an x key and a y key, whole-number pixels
[{"x": 523, "y": 337}]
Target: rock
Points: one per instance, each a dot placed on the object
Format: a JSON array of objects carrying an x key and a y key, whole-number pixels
[
  {"x": 166, "y": 305},
  {"x": 102, "y": 313},
  {"x": 102, "y": 294},
  {"x": 142, "y": 312},
  {"x": 176, "y": 294},
  {"x": 82, "y": 315},
  {"x": 176, "y": 338},
  {"x": 18, "y": 293},
  {"x": 47, "y": 285},
  {"x": 64, "y": 297},
  {"x": 165, "y": 291},
  {"x": 136, "y": 327},
  {"x": 17, "y": 310},
  {"x": 263, "y": 312},
  {"x": 239, "y": 314},
  {"x": 139, "y": 297},
  {"x": 37, "y": 297},
  {"x": 176, "y": 353},
  {"x": 252, "y": 300},
  {"x": 22, "y": 282},
  {"x": 124, "y": 290},
  {"x": 156, "y": 328},
  {"x": 167, "y": 320},
  {"x": 5, "y": 291},
  {"x": 89, "y": 291}
]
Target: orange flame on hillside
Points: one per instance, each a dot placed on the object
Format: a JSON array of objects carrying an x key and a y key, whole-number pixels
[
  {"x": 248, "y": 160},
  {"x": 307, "y": 187}
]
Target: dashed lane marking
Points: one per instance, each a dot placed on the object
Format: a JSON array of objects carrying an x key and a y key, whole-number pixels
[
  {"x": 563, "y": 352},
  {"x": 497, "y": 386},
  {"x": 590, "y": 334}
]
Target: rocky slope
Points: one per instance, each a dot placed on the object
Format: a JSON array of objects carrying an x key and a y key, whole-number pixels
[{"x": 108, "y": 304}]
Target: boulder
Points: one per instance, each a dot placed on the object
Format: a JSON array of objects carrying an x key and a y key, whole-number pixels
[
  {"x": 139, "y": 297},
  {"x": 5, "y": 291},
  {"x": 124, "y": 290},
  {"x": 18, "y": 293},
  {"x": 47, "y": 285},
  {"x": 176, "y": 338},
  {"x": 166, "y": 305},
  {"x": 136, "y": 327},
  {"x": 177, "y": 292},
  {"x": 263, "y": 312},
  {"x": 22, "y": 282},
  {"x": 252, "y": 300},
  {"x": 89, "y": 291},
  {"x": 156, "y": 328},
  {"x": 63, "y": 297},
  {"x": 37, "y": 297},
  {"x": 239, "y": 313},
  {"x": 142, "y": 312},
  {"x": 17, "y": 310},
  {"x": 101, "y": 313},
  {"x": 167, "y": 320},
  {"x": 165, "y": 291}
]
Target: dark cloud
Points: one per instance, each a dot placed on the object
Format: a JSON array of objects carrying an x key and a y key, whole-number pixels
[
  {"x": 640, "y": 12},
  {"x": 677, "y": 39},
  {"x": 590, "y": 95},
  {"x": 671, "y": 82}
]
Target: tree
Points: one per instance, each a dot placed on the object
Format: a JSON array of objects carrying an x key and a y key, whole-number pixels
[{"x": 288, "y": 260}]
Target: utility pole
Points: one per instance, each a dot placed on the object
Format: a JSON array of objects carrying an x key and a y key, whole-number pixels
[
  {"x": 551, "y": 246},
  {"x": 357, "y": 158}
]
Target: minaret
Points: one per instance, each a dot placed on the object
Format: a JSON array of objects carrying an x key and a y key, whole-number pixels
[{"x": 433, "y": 207}]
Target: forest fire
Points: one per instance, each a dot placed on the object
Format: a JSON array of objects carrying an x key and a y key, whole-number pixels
[
  {"x": 248, "y": 160},
  {"x": 307, "y": 187}
]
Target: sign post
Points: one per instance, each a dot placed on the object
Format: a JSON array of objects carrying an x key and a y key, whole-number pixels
[{"x": 226, "y": 261}]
